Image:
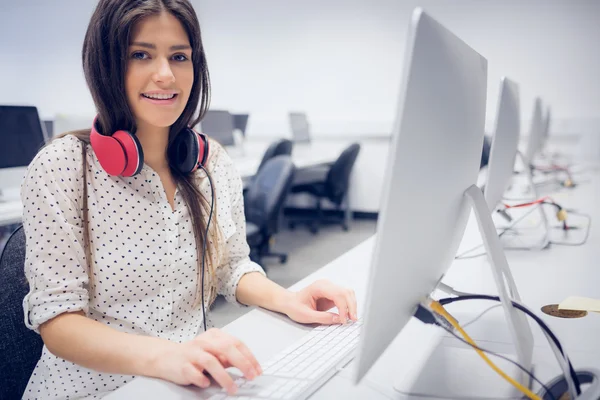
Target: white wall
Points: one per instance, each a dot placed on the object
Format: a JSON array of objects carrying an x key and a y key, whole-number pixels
[{"x": 338, "y": 60}]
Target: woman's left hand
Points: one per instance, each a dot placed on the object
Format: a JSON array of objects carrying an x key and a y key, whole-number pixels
[{"x": 310, "y": 304}]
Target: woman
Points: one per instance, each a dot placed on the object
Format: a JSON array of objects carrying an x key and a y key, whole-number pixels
[{"x": 120, "y": 225}]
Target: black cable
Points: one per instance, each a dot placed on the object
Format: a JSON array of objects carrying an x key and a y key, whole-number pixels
[
  {"x": 537, "y": 319},
  {"x": 587, "y": 233},
  {"x": 462, "y": 255},
  {"x": 522, "y": 368},
  {"x": 212, "y": 202},
  {"x": 429, "y": 317}
]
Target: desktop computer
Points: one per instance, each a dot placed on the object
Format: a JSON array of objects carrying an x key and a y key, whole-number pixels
[
  {"x": 300, "y": 127},
  {"x": 503, "y": 151},
  {"x": 218, "y": 125},
  {"x": 441, "y": 115},
  {"x": 435, "y": 153},
  {"x": 535, "y": 139},
  {"x": 546, "y": 127},
  {"x": 22, "y": 135}
]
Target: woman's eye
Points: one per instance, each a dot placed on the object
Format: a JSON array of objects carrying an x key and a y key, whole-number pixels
[
  {"x": 180, "y": 57},
  {"x": 138, "y": 55}
]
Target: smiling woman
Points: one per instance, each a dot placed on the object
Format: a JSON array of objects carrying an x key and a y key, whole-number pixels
[{"x": 119, "y": 222}]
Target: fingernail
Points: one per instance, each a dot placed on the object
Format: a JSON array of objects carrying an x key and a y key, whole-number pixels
[
  {"x": 204, "y": 384},
  {"x": 336, "y": 319},
  {"x": 232, "y": 390},
  {"x": 251, "y": 374}
]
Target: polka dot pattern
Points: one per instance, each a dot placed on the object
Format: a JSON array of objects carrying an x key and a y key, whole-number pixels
[{"x": 145, "y": 267}]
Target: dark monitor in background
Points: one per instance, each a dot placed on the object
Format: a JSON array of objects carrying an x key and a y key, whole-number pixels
[
  {"x": 300, "y": 127},
  {"x": 49, "y": 126},
  {"x": 218, "y": 125},
  {"x": 240, "y": 121},
  {"x": 22, "y": 135}
]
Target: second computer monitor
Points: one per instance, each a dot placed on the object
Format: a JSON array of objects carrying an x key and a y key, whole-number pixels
[
  {"x": 22, "y": 135},
  {"x": 546, "y": 127},
  {"x": 505, "y": 142},
  {"x": 300, "y": 127},
  {"x": 218, "y": 125},
  {"x": 434, "y": 157},
  {"x": 534, "y": 142}
]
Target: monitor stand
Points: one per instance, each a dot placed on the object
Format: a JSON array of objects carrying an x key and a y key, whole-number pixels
[
  {"x": 545, "y": 242},
  {"x": 454, "y": 371}
]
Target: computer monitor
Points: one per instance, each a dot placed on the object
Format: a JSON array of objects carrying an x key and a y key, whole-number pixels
[
  {"x": 505, "y": 141},
  {"x": 218, "y": 125},
  {"x": 534, "y": 144},
  {"x": 22, "y": 135},
  {"x": 546, "y": 127},
  {"x": 433, "y": 159},
  {"x": 240, "y": 121},
  {"x": 300, "y": 127}
]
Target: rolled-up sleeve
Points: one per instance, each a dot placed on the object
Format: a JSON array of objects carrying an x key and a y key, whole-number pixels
[
  {"x": 55, "y": 264},
  {"x": 237, "y": 261}
]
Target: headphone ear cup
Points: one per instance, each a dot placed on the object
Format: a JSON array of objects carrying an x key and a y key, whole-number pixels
[
  {"x": 109, "y": 151},
  {"x": 133, "y": 151},
  {"x": 183, "y": 152},
  {"x": 203, "y": 149}
]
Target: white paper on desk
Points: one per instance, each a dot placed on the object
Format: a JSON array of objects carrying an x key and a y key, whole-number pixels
[{"x": 580, "y": 304}]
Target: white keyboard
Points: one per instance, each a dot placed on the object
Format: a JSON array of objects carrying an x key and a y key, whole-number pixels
[{"x": 299, "y": 370}]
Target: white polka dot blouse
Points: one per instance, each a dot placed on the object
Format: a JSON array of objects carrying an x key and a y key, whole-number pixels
[{"x": 144, "y": 256}]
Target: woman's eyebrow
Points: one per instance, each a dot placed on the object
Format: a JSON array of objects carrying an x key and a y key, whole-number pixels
[{"x": 153, "y": 47}]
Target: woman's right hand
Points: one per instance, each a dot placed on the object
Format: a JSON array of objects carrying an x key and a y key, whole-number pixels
[{"x": 209, "y": 353}]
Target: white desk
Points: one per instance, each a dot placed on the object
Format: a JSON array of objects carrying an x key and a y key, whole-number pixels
[
  {"x": 542, "y": 277},
  {"x": 10, "y": 212}
]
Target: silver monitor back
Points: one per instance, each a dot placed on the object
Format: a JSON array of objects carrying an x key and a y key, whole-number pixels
[
  {"x": 218, "y": 125},
  {"x": 434, "y": 157},
  {"x": 535, "y": 131},
  {"x": 300, "y": 127},
  {"x": 546, "y": 127},
  {"x": 505, "y": 142}
]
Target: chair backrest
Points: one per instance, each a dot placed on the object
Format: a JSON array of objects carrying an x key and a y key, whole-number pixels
[
  {"x": 338, "y": 177},
  {"x": 281, "y": 147},
  {"x": 266, "y": 195},
  {"x": 218, "y": 124},
  {"x": 300, "y": 127},
  {"x": 20, "y": 348}
]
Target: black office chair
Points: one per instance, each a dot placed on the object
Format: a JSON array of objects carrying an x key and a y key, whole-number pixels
[
  {"x": 279, "y": 147},
  {"x": 20, "y": 347},
  {"x": 334, "y": 188},
  {"x": 263, "y": 203}
]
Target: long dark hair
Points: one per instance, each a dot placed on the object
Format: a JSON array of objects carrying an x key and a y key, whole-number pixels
[{"x": 105, "y": 55}]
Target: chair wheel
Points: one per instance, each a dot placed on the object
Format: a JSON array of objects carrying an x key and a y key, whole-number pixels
[
  {"x": 283, "y": 259},
  {"x": 345, "y": 228},
  {"x": 292, "y": 225},
  {"x": 313, "y": 230}
]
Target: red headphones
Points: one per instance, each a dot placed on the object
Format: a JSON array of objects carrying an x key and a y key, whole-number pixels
[{"x": 121, "y": 154}]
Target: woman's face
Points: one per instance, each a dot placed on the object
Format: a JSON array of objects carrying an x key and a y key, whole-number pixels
[{"x": 160, "y": 73}]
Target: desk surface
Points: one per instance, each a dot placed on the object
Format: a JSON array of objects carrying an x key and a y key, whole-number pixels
[{"x": 543, "y": 277}]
